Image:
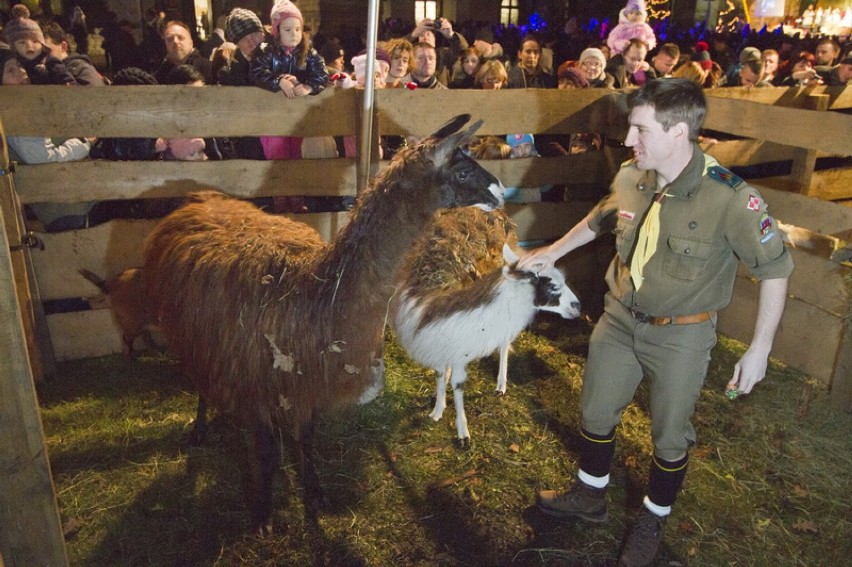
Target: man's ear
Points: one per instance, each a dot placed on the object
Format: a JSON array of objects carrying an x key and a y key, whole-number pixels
[{"x": 681, "y": 129}]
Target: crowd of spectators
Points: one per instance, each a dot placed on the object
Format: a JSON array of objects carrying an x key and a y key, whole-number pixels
[{"x": 276, "y": 52}]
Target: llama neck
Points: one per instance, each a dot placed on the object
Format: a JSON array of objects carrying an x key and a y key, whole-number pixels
[{"x": 359, "y": 270}]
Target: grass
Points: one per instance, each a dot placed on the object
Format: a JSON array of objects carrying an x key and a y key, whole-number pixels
[{"x": 768, "y": 482}]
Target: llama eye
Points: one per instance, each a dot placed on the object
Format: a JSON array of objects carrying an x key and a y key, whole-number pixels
[{"x": 463, "y": 174}]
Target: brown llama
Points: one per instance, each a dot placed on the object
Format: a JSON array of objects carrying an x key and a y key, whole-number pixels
[{"x": 275, "y": 327}]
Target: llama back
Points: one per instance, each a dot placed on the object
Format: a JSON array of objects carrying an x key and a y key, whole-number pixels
[{"x": 216, "y": 270}]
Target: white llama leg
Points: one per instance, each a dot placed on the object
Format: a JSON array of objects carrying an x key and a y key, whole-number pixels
[
  {"x": 458, "y": 380},
  {"x": 441, "y": 393},
  {"x": 503, "y": 372}
]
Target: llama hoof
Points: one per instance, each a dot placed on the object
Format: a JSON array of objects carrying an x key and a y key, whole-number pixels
[
  {"x": 198, "y": 435},
  {"x": 464, "y": 443},
  {"x": 500, "y": 393},
  {"x": 263, "y": 529}
]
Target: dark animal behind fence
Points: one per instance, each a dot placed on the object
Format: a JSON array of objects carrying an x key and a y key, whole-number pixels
[{"x": 275, "y": 327}]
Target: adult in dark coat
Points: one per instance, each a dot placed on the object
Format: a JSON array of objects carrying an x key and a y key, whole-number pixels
[
  {"x": 528, "y": 72},
  {"x": 180, "y": 50}
]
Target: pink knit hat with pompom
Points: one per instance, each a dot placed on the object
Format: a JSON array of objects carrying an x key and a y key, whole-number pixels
[{"x": 281, "y": 10}]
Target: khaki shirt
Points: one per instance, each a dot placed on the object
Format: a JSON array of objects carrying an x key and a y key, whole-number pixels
[{"x": 709, "y": 220}]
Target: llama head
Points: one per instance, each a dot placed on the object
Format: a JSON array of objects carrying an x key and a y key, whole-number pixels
[
  {"x": 457, "y": 179},
  {"x": 551, "y": 290}
]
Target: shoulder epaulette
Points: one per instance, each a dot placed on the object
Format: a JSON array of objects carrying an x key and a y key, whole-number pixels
[{"x": 724, "y": 176}]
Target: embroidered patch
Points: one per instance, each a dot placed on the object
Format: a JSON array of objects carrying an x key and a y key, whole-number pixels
[
  {"x": 724, "y": 176},
  {"x": 765, "y": 223},
  {"x": 767, "y": 238},
  {"x": 629, "y": 215},
  {"x": 753, "y": 203}
]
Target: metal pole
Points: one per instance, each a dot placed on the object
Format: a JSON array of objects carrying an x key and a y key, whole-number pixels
[{"x": 369, "y": 97}]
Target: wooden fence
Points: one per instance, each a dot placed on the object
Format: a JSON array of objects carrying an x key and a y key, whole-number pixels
[{"x": 777, "y": 125}]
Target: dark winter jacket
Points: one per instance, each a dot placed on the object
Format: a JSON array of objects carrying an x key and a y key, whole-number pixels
[
  {"x": 238, "y": 74},
  {"x": 273, "y": 61},
  {"x": 519, "y": 78},
  {"x": 83, "y": 71},
  {"x": 194, "y": 58}
]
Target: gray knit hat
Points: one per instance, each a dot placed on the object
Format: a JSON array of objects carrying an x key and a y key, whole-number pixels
[
  {"x": 20, "y": 26},
  {"x": 240, "y": 23}
]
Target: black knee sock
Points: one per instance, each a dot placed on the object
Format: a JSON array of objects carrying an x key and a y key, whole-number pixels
[
  {"x": 596, "y": 452},
  {"x": 666, "y": 480}
]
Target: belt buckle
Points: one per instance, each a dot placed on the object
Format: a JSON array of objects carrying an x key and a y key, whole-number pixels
[{"x": 641, "y": 317}]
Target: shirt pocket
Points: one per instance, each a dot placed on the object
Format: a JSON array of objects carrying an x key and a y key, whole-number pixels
[
  {"x": 625, "y": 235},
  {"x": 686, "y": 257}
]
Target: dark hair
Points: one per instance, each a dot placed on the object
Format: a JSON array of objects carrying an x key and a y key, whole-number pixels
[
  {"x": 133, "y": 76},
  {"x": 53, "y": 31},
  {"x": 183, "y": 75},
  {"x": 331, "y": 50},
  {"x": 674, "y": 101}
]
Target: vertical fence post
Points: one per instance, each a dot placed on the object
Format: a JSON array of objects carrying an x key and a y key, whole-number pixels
[
  {"x": 31, "y": 532},
  {"x": 804, "y": 160}
]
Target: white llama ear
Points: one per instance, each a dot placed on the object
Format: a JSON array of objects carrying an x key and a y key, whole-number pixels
[{"x": 509, "y": 255}]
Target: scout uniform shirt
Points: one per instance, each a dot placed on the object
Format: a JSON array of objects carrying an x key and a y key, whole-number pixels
[{"x": 709, "y": 219}]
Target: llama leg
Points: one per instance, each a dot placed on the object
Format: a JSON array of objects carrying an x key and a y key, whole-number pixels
[
  {"x": 441, "y": 393},
  {"x": 458, "y": 381},
  {"x": 199, "y": 430},
  {"x": 503, "y": 372},
  {"x": 314, "y": 496},
  {"x": 266, "y": 451},
  {"x": 128, "y": 339}
]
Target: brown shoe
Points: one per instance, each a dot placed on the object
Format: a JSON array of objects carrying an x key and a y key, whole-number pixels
[
  {"x": 644, "y": 540},
  {"x": 582, "y": 501}
]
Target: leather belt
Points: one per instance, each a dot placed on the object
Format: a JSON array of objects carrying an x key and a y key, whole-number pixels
[{"x": 675, "y": 320}]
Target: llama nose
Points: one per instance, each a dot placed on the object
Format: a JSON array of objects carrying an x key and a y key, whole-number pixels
[{"x": 575, "y": 305}]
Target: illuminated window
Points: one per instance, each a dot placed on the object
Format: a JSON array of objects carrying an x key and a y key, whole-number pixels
[
  {"x": 509, "y": 12},
  {"x": 427, "y": 9}
]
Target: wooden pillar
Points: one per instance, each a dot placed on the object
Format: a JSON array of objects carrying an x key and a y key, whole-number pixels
[
  {"x": 804, "y": 160},
  {"x": 39, "y": 345},
  {"x": 30, "y": 529}
]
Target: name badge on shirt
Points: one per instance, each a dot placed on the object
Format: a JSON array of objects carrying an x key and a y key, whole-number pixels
[{"x": 627, "y": 215}]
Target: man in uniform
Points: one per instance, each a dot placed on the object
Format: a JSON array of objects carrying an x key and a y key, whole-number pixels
[{"x": 682, "y": 223}]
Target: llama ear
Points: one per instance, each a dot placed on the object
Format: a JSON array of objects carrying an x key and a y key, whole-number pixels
[
  {"x": 509, "y": 255},
  {"x": 451, "y": 127}
]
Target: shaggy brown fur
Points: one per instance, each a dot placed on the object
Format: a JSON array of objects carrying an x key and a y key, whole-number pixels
[
  {"x": 272, "y": 325},
  {"x": 126, "y": 296}
]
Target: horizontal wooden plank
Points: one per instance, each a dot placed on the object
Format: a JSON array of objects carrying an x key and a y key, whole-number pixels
[
  {"x": 794, "y": 342},
  {"x": 793, "y": 97},
  {"x": 508, "y": 111},
  {"x": 174, "y": 111},
  {"x": 800, "y": 210},
  {"x": 821, "y": 131},
  {"x": 96, "y": 180},
  {"x": 832, "y": 184},
  {"x": 543, "y": 221},
  {"x": 739, "y": 153}
]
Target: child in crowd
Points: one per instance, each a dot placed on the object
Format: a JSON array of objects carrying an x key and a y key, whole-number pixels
[
  {"x": 631, "y": 24},
  {"x": 465, "y": 69},
  {"x": 26, "y": 40},
  {"x": 288, "y": 65},
  {"x": 523, "y": 146}
]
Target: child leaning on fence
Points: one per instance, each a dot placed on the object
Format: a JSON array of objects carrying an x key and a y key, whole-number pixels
[{"x": 288, "y": 65}]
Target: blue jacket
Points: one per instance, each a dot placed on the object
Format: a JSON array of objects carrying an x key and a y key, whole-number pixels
[{"x": 272, "y": 62}]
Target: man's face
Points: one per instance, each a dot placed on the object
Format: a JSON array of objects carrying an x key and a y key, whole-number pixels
[
  {"x": 290, "y": 32},
  {"x": 399, "y": 64},
  {"x": 58, "y": 50},
  {"x": 424, "y": 63},
  {"x": 633, "y": 58},
  {"x": 825, "y": 54},
  {"x": 664, "y": 63},
  {"x": 249, "y": 43},
  {"x": 178, "y": 43},
  {"x": 28, "y": 48},
  {"x": 529, "y": 55},
  {"x": 428, "y": 37},
  {"x": 652, "y": 146},
  {"x": 14, "y": 73},
  {"x": 748, "y": 78}
]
